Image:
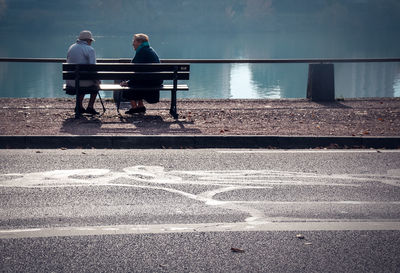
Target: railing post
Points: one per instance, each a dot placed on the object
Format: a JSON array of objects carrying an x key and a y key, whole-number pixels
[{"x": 321, "y": 82}]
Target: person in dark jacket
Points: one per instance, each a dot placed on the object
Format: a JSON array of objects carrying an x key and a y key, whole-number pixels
[{"x": 144, "y": 54}]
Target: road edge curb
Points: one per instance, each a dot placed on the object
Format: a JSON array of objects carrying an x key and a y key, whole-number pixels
[{"x": 198, "y": 142}]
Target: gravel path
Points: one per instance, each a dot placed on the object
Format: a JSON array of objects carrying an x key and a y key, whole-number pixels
[{"x": 349, "y": 117}]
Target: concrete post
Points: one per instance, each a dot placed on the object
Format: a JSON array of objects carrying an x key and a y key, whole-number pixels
[{"x": 321, "y": 82}]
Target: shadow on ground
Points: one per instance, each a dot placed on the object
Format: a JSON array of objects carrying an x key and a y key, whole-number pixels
[
  {"x": 333, "y": 104},
  {"x": 136, "y": 125}
]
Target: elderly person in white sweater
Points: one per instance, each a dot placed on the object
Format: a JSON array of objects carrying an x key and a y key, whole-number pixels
[{"x": 82, "y": 52}]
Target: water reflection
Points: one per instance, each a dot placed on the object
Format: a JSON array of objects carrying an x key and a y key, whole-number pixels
[
  {"x": 396, "y": 87},
  {"x": 241, "y": 83},
  {"x": 367, "y": 80},
  {"x": 244, "y": 86}
]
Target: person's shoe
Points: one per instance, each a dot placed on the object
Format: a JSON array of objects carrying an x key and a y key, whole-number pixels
[
  {"x": 136, "y": 110},
  {"x": 91, "y": 111},
  {"x": 130, "y": 111},
  {"x": 141, "y": 109}
]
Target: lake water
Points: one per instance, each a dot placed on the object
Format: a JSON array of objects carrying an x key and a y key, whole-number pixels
[{"x": 210, "y": 80}]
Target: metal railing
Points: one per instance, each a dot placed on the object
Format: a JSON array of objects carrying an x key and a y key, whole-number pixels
[
  {"x": 215, "y": 61},
  {"x": 320, "y": 85}
]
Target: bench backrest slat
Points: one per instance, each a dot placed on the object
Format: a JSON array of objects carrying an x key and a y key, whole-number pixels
[
  {"x": 93, "y": 75},
  {"x": 118, "y": 71},
  {"x": 148, "y": 67}
]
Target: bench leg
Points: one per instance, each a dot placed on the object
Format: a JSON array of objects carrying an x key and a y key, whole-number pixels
[
  {"x": 173, "y": 110},
  {"x": 119, "y": 101},
  {"x": 78, "y": 114},
  {"x": 117, "y": 96}
]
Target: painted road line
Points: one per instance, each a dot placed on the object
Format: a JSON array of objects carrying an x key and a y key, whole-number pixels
[
  {"x": 305, "y": 151},
  {"x": 193, "y": 228}
]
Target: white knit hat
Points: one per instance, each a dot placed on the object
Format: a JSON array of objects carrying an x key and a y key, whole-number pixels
[{"x": 85, "y": 35}]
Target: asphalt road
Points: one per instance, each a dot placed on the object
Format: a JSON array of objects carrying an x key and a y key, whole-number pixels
[{"x": 199, "y": 211}]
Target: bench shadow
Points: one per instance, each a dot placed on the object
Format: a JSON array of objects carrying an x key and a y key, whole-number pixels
[
  {"x": 150, "y": 125},
  {"x": 83, "y": 126},
  {"x": 125, "y": 125}
]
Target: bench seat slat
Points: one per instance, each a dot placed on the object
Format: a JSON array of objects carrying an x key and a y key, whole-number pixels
[{"x": 116, "y": 87}]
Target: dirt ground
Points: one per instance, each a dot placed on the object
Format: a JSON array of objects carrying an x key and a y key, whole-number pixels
[{"x": 349, "y": 117}]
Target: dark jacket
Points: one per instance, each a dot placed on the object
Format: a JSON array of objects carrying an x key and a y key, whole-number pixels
[{"x": 144, "y": 55}]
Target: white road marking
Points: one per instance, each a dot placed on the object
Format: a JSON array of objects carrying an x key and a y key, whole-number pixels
[
  {"x": 195, "y": 228},
  {"x": 157, "y": 178},
  {"x": 239, "y": 151},
  {"x": 317, "y": 203}
]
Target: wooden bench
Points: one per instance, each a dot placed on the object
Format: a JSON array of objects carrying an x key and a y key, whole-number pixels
[{"x": 121, "y": 71}]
